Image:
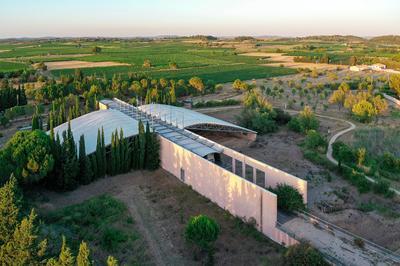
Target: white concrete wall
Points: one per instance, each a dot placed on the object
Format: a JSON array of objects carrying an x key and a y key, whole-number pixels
[
  {"x": 229, "y": 191},
  {"x": 273, "y": 176}
]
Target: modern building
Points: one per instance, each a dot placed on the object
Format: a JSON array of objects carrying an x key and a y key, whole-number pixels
[
  {"x": 377, "y": 67},
  {"x": 234, "y": 181}
]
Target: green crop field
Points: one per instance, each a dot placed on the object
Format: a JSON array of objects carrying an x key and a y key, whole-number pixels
[
  {"x": 217, "y": 64},
  {"x": 11, "y": 66}
]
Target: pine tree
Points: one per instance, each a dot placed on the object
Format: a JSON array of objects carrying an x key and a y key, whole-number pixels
[
  {"x": 8, "y": 209},
  {"x": 83, "y": 256},
  {"x": 22, "y": 248},
  {"x": 65, "y": 258}
]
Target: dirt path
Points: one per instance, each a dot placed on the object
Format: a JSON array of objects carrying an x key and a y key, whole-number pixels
[{"x": 126, "y": 188}]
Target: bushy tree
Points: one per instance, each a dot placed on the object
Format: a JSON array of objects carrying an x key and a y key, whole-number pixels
[
  {"x": 289, "y": 198},
  {"x": 197, "y": 84},
  {"x": 27, "y": 155},
  {"x": 202, "y": 231},
  {"x": 314, "y": 140}
]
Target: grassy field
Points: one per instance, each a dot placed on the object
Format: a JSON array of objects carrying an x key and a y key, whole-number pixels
[
  {"x": 104, "y": 223},
  {"x": 217, "y": 64},
  {"x": 11, "y": 66}
]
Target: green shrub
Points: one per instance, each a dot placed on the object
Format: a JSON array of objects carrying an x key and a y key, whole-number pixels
[
  {"x": 289, "y": 198},
  {"x": 262, "y": 122},
  {"x": 382, "y": 187},
  {"x": 282, "y": 117},
  {"x": 202, "y": 231},
  {"x": 294, "y": 124},
  {"x": 303, "y": 254},
  {"x": 112, "y": 238},
  {"x": 314, "y": 140},
  {"x": 343, "y": 153},
  {"x": 359, "y": 242}
]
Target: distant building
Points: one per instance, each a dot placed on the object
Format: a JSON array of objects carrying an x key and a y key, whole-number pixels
[
  {"x": 378, "y": 67},
  {"x": 359, "y": 68}
]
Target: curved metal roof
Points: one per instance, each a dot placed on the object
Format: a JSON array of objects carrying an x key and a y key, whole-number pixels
[
  {"x": 89, "y": 124},
  {"x": 186, "y": 118}
]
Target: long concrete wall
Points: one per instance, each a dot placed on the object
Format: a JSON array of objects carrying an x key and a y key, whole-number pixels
[
  {"x": 229, "y": 191},
  {"x": 273, "y": 176}
]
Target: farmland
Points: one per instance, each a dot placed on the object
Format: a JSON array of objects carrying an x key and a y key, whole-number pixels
[{"x": 217, "y": 64}]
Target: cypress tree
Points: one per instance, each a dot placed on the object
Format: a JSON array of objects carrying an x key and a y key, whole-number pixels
[
  {"x": 85, "y": 171},
  {"x": 99, "y": 158},
  {"x": 148, "y": 144},
  {"x": 112, "y": 161},
  {"x": 117, "y": 153},
  {"x": 103, "y": 153},
  {"x": 35, "y": 122},
  {"x": 77, "y": 112},
  {"x": 48, "y": 121},
  {"x": 93, "y": 164},
  {"x": 71, "y": 164},
  {"x": 87, "y": 110},
  {"x": 153, "y": 151},
  {"x": 142, "y": 145},
  {"x": 135, "y": 153}
]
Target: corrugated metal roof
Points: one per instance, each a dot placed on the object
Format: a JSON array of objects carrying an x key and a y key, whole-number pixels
[
  {"x": 185, "y": 118},
  {"x": 89, "y": 124}
]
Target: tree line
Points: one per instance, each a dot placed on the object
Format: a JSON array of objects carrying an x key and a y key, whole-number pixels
[
  {"x": 10, "y": 97},
  {"x": 59, "y": 163}
]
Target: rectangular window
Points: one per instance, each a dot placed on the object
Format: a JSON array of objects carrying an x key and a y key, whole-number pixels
[
  {"x": 249, "y": 173},
  {"x": 182, "y": 175},
  {"x": 238, "y": 168},
  {"x": 260, "y": 178}
]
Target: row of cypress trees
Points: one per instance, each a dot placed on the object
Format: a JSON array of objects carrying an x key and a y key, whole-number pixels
[{"x": 73, "y": 167}]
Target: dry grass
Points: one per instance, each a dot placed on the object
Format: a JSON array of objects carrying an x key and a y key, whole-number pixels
[{"x": 80, "y": 64}]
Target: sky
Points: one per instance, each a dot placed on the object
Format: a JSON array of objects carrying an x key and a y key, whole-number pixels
[{"x": 131, "y": 18}]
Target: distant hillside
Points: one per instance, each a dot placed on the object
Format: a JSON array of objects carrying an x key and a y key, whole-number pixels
[
  {"x": 333, "y": 38},
  {"x": 387, "y": 39}
]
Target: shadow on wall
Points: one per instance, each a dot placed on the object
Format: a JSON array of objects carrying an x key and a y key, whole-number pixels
[{"x": 231, "y": 192}]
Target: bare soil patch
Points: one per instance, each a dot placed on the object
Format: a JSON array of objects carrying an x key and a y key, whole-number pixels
[
  {"x": 281, "y": 150},
  {"x": 80, "y": 64},
  {"x": 161, "y": 206},
  {"x": 278, "y": 59}
]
